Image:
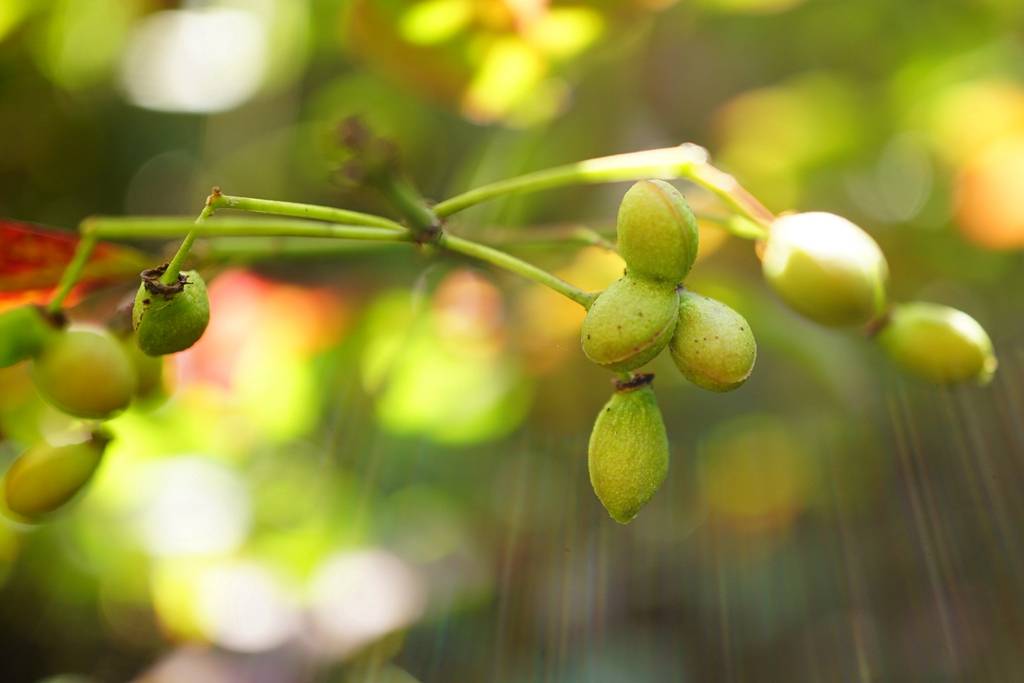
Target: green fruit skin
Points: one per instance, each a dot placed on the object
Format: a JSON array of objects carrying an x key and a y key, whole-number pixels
[
  {"x": 712, "y": 346},
  {"x": 826, "y": 268},
  {"x": 938, "y": 343},
  {"x": 169, "y": 325},
  {"x": 45, "y": 477},
  {"x": 657, "y": 232},
  {"x": 86, "y": 373},
  {"x": 630, "y": 323},
  {"x": 23, "y": 334},
  {"x": 628, "y": 454}
]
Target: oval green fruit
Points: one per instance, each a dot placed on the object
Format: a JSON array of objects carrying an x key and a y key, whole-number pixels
[
  {"x": 171, "y": 322},
  {"x": 24, "y": 332},
  {"x": 826, "y": 268},
  {"x": 657, "y": 232},
  {"x": 45, "y": 477},
  {"x": 938, "y": 343},
  {"x": 628, "y": 453},
  {"x": 86, "y": 373},
  {"x": 712, "y": 346},
  {"x": 630, "y": 323}
]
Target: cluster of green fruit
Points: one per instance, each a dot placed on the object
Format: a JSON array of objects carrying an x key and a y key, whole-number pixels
[
  {"x": 92, "y": 373},
  {"x": 822, "y": 265}
]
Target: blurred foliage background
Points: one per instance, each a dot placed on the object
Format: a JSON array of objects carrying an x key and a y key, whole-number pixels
[{"x": 372, "y": 467}]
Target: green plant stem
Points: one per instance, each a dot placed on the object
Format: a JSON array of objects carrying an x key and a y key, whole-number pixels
[
  {"x": 255, "y": 249},
  {"x": 171, "y": 273},
  {"x": 686, "y": 161},
  {"x": 72, "y": 272},
  {"x": 738, "y": 226},
  {"x": 151, "y": 228},
  {"x": 423, "y": 221},
  {"x": 512, "y": 264},
  {"x": 161, "y": 228},
  {"x": 310, "y": 211}
]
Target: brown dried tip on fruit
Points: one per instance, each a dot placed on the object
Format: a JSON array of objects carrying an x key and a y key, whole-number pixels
[{"x": 170, "y": 318}]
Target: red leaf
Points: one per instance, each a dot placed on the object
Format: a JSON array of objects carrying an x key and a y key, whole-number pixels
[{"x": 33, "y": 257}]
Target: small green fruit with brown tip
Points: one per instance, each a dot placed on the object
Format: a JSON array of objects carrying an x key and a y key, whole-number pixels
[
  {"x": 85, "y": 372},
  {"x": 45, "y": 477},
  {"x": 628, "y": 454},
  {"x": 170, "y": 321},
  {"x": 826, "y": 268},
  {"x": 938, "y": 343},
  {"x": 630, "y": 323},
  {"x": 657, "y": 232},
  {"x": 712, "y": 346},
  {"x": 24, "y": 332}
]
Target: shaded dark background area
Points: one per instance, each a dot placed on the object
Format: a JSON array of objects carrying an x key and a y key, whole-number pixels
[{"x": 373, "y": 468}]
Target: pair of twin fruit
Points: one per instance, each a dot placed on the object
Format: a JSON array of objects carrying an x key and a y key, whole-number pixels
[
  {"x": 820, "y": 264},
  {"x": 93, "y": 373}
]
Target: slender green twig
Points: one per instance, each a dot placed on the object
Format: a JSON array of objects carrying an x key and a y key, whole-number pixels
[
  {"x": 72, "y": 272},
  {"x": 316, "y": 212},
  {"x": 423, "y": 221},
  {"x": 126, "y": 227},
  {"x": 512, "y": 264},
  {"x": 170, "y": 274},
  {"x": 686, "y": 161},
  {"x": 149, "y": 228}
]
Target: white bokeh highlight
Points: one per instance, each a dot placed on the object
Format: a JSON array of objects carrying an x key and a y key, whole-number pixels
[{"x": 195, "y": 61}]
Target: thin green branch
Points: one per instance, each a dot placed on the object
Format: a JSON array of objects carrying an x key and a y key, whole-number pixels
[
  {"x": 512, "y": 264},
  {"x": 423, "y": 221},
  {"x": 170, "y": 274},
  {"x": 72, "y": 272},
  {"x": 328, "y": 214},
  {"x": 687, "y": 161},
  {"x": 134, "y": 227}
]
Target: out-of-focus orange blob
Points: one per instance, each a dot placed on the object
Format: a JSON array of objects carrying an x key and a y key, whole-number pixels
[
  {"x": 469, "y": 311},
  {"x": 990, "y": 196},
  {"x": 246, "y": 309},
  {"x": 549, "y": 323}
]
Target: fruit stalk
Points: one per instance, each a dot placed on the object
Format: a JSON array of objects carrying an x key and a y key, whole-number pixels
[
  {"x": 71, "y": 274},
  {"x": 171, "y": 273},
  {"x": 512, "y": 264},
  {"x": 328, "y": 214},
  {"x": 686, "y": 161}
]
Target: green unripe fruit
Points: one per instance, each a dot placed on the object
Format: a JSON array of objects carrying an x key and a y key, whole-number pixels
[
  {"x": 86, "y": 373},
  {"x": 171, "y": 321},
  {"x": 630, "y": 323},
  {"x": 628, "y": 454},
  {"x": 657, "y": 232},
  {"x": 826, "y": 268},
  {"x": 712, "y": 346},
  {"x": 24, "y": 332},
  {"x": 938, "y": 343},
  {"x": 45, "y": 477}
]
